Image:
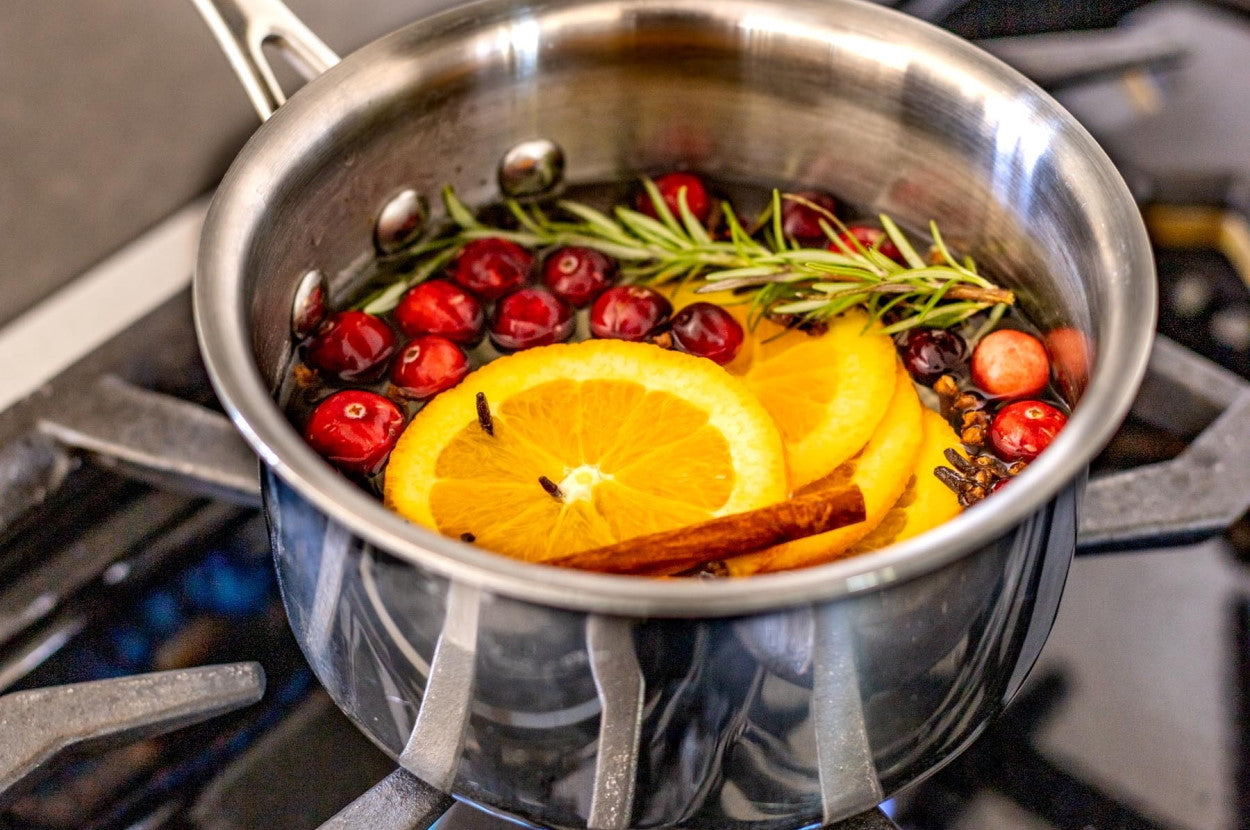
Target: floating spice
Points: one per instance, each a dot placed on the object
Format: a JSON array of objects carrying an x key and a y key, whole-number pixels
[
  {"x": 687, "y": 548},
  {"x": 552, "y": 488},
  {"x": 953, "y": 401},
  {"x": 484, "y": 419},
  {"x": 716, "y": 569},
  {"x": 974, "y": 478},
  {"x": 974, "y": 429}
]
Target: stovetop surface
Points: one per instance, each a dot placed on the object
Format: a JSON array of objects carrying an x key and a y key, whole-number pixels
[{"x": 1136, "y": 716}]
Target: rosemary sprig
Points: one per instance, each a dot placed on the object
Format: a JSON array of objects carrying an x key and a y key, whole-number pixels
[{"x": 775, "y": 274}]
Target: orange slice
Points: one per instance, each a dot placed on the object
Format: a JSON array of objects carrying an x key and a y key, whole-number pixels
[
  {"x": 882, "y": 471},
  {"x": 637, "y": 439},
  {"x": 827, "y": 393},
  {"x": 926, "y": 502}
]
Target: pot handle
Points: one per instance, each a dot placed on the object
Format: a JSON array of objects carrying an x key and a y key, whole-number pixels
[
  {"x": 244, "y": 27},
  {"x": 1199, "y": 493}
]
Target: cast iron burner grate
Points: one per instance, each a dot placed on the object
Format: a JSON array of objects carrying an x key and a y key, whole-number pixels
[{"x": 40, "y": 724}]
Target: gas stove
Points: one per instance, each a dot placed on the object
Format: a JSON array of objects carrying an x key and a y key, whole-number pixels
[{"x": 134, "y": 563}]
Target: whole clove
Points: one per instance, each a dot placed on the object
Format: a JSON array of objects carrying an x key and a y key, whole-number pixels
[
  {"x": 484, "y": 419},
  {"x": 552, "y": 488}
]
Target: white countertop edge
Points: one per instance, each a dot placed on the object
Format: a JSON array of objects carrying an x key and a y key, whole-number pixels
[{"x": 87, "y": 312}]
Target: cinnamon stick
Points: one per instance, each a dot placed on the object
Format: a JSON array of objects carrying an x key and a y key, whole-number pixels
[{"x": 675, "y": 551}]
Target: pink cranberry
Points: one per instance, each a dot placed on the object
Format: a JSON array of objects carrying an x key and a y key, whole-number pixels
[
  {"x": 629, "y": 312},
  {"x": 867, "y": 236},
  {"x": 444, "y": 308},
  {"x": 1010, "y": 364},
  {"x": 578, "y": 275},
  {"x": 707, "y": 330},
  {"x": 492, "y": 267},
  {"x": 670, "y": 186},
  {"x": 802, "y": 221},
  {"x": 355, "y": 430},
  {"x": 350, "y": 345},
  {"x": 427, "y": 366},
  {"x": 530, "y": 317},
  {"x": 1070, "y": 356},
  {"x": 1021, "y": 430}
]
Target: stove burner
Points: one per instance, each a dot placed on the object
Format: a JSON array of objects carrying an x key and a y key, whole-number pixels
[{"x": 1160, "y": 91}]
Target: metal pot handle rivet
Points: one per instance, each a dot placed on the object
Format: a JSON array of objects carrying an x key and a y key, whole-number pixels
[
  {"x": 308, "y": 307},
  {"x": 531, "y": 168},
  {"x": 400, "y": 221}
]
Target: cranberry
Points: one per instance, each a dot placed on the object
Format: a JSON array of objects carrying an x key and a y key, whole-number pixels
[
  {"x": 707, "y": 330},
  {"x": 867, "y": 236},
  {"x": 350, "y": 344},
  {"x": 427, "y": 366},
  {"x": 530, "y": 317},
  {"x": 802, "y": 221},
  {"x": 930, "y": 353},
  {"x": 629, "y": 312},
  {"x": 578, "y": 275},
  {"x": 492, "y": 267},
  {"x": 444, "y": 308},
  {"x": 355, "y": 430},
  {"x": 1010, "y": 364},
  {"x": 670, "y": 186},
  {"x": 1069, "y": 355},
  {"x": 1021, "y": 430}
]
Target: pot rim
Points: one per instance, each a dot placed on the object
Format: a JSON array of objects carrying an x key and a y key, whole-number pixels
[{"x": 221, "y": 313}]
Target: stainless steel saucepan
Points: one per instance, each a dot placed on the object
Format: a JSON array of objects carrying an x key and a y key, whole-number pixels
[{"x": 572, "y": 699}]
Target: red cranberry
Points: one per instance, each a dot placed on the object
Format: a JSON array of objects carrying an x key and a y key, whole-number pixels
[
  {"x": 670, "y": 186},
  {"x": 802, "y": 221},
  {"x": 530, "y": 317},
  {"x": 867, "y": 236},
  {"x": 350, "y": 344},
  {"x": 1010, "y": 364},
  {"x": 578, "y": 275},
  {"x": 1021, "y": 430},
  {"x": 707, "y": 330},
  {"x": 629, "y": 312},
  {"x": 444, "y": 308},
  {"x": 427, "y": 366},
  {"x": 930, "y": 353},
  {"x": 492, "y": 267},
  {"x": 355, "y": 430}
]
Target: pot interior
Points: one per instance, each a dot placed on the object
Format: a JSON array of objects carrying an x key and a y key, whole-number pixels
[{"x": 885, "y": 112}]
